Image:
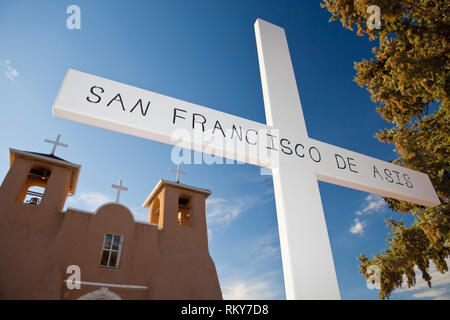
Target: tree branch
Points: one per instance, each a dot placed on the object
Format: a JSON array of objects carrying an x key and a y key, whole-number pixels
[{"x": 413, "y": 7}]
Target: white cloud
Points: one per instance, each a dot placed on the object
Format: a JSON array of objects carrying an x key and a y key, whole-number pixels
[
  {"x": 221, "y": 211},
  {"x": 373, "y": 204},
  {"x": 357, "y": 227},
  {"x": 267, "y": 246},
  {"x": 88, "y": 200},
  {"x": 246, "y": 290},
  {"x": 210, "y": 235},
  {"x": 439, "y": 281},
  {"x": 442, "y": 297},
  {"x": 430, "y": 293},
  {"x": 251, "y": 289},
  {"x": 140, "y": 214},
  {"x": 9, "y": 71}
]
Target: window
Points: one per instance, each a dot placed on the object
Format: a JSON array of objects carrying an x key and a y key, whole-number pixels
[
  {"x": 112, "y": 247},
  {"x": 34, "y": 195},
  {"x": 35, "y": 185},
  {"x": 184, "y": 211}
]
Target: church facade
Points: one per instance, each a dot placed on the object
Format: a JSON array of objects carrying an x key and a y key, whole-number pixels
[{"x": 43, "y": 246}]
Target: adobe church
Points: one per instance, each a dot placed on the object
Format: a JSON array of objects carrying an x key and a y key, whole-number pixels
[{"x": 119, "y": 258}]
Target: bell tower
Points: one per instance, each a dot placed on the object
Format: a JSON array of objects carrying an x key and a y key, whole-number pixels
[
  {"x": 37, "y": 182},
  {"x": 179, "y": 212}
]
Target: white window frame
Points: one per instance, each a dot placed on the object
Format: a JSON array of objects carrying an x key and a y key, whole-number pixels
[{"x": 119, "y": 251}]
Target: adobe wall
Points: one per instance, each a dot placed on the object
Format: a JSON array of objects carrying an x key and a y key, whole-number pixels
[
  {"x": 29, "y": 267},
  {"x": 80, "y": 242}
]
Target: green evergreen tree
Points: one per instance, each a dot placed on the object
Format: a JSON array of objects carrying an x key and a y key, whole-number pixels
[{"x": 408, "y": 80}]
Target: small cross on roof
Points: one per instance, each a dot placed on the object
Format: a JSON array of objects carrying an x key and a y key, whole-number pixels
[
  {"x": 56, "y": 144},
  {"x": 119, "y": 188},
  {"x": 178, "y": 171}
]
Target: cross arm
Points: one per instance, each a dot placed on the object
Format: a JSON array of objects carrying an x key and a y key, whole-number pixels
[
  {"x": 357, "y": 171},
  {"x": 101, "y": 102}
]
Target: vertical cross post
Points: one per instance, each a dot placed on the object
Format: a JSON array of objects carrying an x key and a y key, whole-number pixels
[
  {"x": 119, "y": 188},
  {"x": 307, "y": 259}
]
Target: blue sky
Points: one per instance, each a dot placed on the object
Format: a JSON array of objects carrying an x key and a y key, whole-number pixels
[{"x": 202, "y": 52}]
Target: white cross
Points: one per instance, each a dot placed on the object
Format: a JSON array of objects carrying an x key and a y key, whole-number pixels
[
  {"x": 296, "y": 160},
  {"x": 178, "y": 171},
  {"x": 119, "y": 188},
  {"x": 56, "y": 143}
]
